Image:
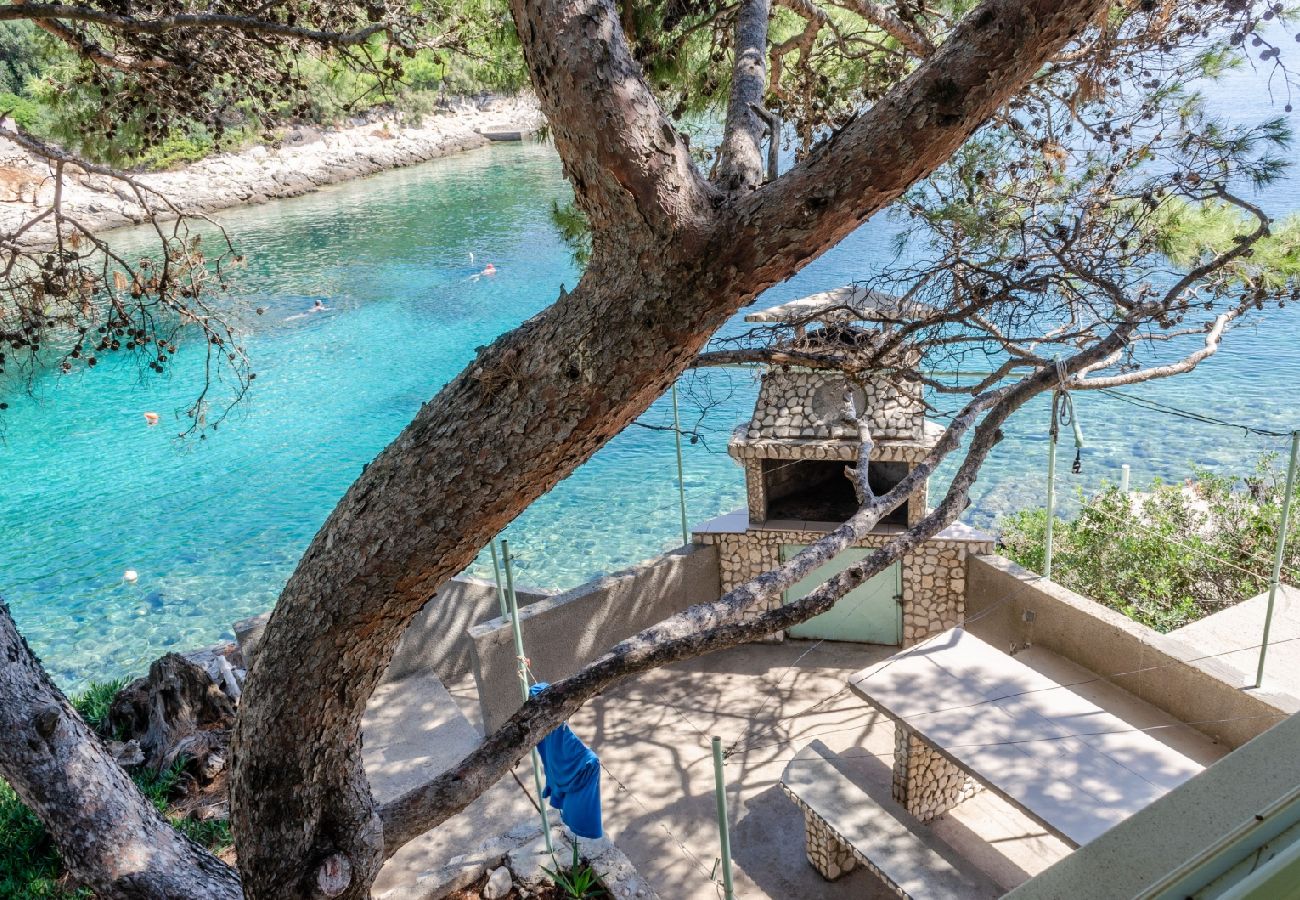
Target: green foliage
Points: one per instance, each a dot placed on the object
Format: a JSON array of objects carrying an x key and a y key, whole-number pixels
[
  {"x": 29, "y": 862},
  {"x": 25, "y": 112},
  {"x": 23, "y": 54},
  {"x": 92, "y": 703},
  {"x": 44, "y": 87},
  {"x": 574, "y": 230},
  {"x": 175, "y": 150},
  {"x": 1171, "y": 555},
  {"x": 579, "y": 880}
]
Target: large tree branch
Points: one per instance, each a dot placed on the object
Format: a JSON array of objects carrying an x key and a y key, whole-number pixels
[
  {"x": 1213, "y": 335},
  {"x": 740, "y": 162},
  {"x": 110, "y": 838},
  {"x": 158, "y": 25},
  {"x": 904, "y": 137},
  {"x": 892, "y": 25},
  {"x": 626, "y": 160}
]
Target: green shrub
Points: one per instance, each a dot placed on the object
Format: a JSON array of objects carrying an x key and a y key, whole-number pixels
[
  {"x": 1170, "y": 555},
  {"x": 25, "y": 112},
  {"x": 176, "y": 150}
]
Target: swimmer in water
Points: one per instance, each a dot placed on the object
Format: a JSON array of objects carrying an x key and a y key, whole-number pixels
[
  {"x": 318, "y": 306},
  {"x": 489, "y": 269}
]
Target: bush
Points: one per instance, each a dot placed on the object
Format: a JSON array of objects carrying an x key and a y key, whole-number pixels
[
  {"x": 1168, "y": 556},
  {"x": 26, "y": 113},
  {"x": 176, "y": 150}
]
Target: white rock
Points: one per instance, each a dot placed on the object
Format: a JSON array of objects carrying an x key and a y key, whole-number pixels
[{"x": 498, "y": 884}]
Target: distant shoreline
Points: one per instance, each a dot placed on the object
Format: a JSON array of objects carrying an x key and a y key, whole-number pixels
[{"x": 307, "y": 158}]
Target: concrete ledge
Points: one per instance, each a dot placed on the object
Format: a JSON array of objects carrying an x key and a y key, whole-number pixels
[
  {"x": 437, "y": 638},
  {"x": 565, "y": 632},
  {"x": 1190, "y": 822},
  {"x": 1012, "y": 608}
]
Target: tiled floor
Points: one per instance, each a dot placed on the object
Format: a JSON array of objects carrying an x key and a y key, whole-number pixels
[
  {"x": 769, "y": 700},
  {"x": 766, "y": 701}
]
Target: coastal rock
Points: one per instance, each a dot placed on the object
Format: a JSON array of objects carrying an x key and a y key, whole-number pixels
[
  {"x": 303, "y": 159},
  {"x": 498, "y": 884}
]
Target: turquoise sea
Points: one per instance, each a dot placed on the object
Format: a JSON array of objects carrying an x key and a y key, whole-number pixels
[{"x": 214, "y": 527}]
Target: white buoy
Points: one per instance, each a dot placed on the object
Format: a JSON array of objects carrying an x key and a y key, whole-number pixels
[{"x": 130, "y": 575}]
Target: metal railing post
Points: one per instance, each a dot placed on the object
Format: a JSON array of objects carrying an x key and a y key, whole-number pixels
[
  {"x": 1051, "y": 489},
  {"x": 724, "y": 830},
  {"x": 681, "y": 477},
  {"x": 501, "y": 592},
  {"x": 523, "y": 684},
  {"x": 1278, "y": 556},
  {"x": 1124, "y": 475}
]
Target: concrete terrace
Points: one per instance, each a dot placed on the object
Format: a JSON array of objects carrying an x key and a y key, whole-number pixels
[{"x": 652, "y": 733}]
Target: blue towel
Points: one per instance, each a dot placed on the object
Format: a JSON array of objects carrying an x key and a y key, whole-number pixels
[{"x": 572, "y": 778}]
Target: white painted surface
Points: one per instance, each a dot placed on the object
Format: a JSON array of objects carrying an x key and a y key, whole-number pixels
[{"x": 1066, "y": 761}]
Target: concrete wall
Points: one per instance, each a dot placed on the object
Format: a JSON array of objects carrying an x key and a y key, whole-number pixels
[
  {"x": 1013, "y": 608},
  {"x": 437, "y": 637},
  {"x": 565, "y": 632}
]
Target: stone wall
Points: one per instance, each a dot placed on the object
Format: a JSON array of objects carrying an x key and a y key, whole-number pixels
[
  {"x": 925, "y": 782},
  {"x": 565, "y": 632},
  {"x": 934, "y": 575},
  {"x": 794, "y": 404},
  {"x": 750, "y": 455}
]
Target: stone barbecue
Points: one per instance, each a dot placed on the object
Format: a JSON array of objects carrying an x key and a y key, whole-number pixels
[{"x": 795, "y": 451}]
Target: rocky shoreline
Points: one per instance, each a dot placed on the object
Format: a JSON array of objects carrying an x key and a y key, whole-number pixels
[{"x": 302, "y": 160}]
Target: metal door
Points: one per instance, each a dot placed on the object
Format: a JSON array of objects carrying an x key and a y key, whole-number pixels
[{"x": 872, "y": 613}]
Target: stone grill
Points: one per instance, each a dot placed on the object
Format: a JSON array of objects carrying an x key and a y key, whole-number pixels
[{"x": 796, "y": 451}]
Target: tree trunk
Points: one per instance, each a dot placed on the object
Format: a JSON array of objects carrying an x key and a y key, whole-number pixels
[
  {"x": 671, "y": 261},
  {"x": 110, "y": 837}
]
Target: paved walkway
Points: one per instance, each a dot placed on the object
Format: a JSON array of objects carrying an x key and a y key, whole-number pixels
[
  {"x": 1242, "y": 626},
  {"x": 653, "y": 734},
  {"x": 414, "y": 730}
]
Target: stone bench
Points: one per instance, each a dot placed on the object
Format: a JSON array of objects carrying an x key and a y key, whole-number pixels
[{"x": 850, "y": 821}]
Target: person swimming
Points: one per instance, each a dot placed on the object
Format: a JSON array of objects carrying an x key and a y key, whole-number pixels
[
  {"x": 317, "y": 306},
  {"x": 489, "y": 269}
]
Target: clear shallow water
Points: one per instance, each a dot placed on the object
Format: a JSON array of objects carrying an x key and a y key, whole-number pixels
[{"x": 215, "y": 527}]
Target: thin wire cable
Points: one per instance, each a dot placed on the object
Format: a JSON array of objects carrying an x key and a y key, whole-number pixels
[
  {"x": 1043, "y": 690},
  {"x": 1156, "y": 406},
  {"x": 1063, "y": 737},
  {"x": 1201, "y": 551},
  {"x": 735, "y": 747}
]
